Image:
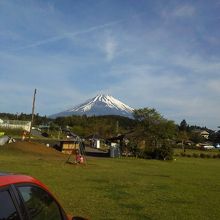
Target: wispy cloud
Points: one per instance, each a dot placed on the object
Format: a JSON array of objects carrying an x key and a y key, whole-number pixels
[
  {"x": 180, "y": 11},
  {"x": 110, "y": 47},
  {"x": 170, "y": 61},
  {"x": 70, "y": 35},
  {"x": 214, "y": 85},
  {"x": 184, "y": 11},
  {"x": 198, "y": 64}
]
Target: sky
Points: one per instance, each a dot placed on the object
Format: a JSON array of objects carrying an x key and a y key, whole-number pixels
[{"x": 146, "y": 53}]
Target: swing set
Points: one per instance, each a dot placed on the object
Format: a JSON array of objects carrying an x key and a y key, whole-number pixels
[{"x": 76, "y": 152}]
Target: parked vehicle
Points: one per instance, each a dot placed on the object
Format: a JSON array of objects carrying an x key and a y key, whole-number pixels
[{"x": 23, "y": 197}]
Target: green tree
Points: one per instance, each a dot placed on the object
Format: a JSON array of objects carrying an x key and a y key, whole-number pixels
[
  {"x": 157, "y": 133},
  {"x": 183, "y": 137},
  {"x": 183, "y": 125},
  {"x": 154, "y": 125}
]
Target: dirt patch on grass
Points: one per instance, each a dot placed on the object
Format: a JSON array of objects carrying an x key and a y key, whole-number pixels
[{"x": 33, "y": 148}]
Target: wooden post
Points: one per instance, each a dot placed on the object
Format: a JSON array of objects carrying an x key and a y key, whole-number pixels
[{"x": 32, "y": 117}]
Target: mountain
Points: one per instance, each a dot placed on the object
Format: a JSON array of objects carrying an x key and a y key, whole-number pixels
[{"x": 99, "y": 105}]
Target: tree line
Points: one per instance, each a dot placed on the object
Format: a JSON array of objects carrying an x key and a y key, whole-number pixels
[{"x": 149, "y": 133}]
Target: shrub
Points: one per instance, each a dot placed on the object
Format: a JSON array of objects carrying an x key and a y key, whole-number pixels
[
  {"x": 208, "y": 156},
  {"x": 165, "y": 152},
  {"x": 134, "y": 149},
  {"x": 149, "y": 153},
  {"x": 202, "y": 155},
  {"x": 195, "y": 155}
]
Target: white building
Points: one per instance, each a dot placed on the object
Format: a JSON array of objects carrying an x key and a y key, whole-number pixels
[{"x": 15, "y": 124}]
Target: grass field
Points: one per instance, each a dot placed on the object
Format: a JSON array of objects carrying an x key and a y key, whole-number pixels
[{"x": 187, "y": 188}]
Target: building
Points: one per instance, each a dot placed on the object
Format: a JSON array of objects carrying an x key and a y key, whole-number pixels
[
  {"x": 15, "y": 124},
  {"x": 202, "y": 133}
]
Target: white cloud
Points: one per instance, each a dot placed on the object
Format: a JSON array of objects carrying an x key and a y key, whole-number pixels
[
  {"x": 214, "y": 85},
  {"x": 197, "y": 64},
  {"x": 174, "y": 95},
  {"x": 49, "y": 74},
  {"x": 110, "y": 48},
  {"x": 184, "y": 11},
  {"x": 181, "y": 11},
  {"x": 154, "y": 61}
]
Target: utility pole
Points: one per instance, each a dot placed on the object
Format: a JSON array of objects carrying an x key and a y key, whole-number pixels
[{"x": 32, "y": 117}]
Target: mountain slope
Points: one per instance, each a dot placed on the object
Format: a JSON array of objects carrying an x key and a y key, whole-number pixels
[{"x": 99, "y": 105}]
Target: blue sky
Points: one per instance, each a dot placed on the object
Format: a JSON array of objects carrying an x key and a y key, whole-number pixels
[{"x": 146, "y": 53}]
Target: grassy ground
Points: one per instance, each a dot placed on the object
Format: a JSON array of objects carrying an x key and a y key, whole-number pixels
[
  {"x": 187, "y": 188},
  {"x": 214, "y": 151}
]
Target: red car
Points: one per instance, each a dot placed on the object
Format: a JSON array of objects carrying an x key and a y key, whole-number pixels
[{"x": 26, "y": 198}]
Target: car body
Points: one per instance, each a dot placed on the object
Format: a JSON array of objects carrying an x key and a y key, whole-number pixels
[{"x": 23, "y": 197}]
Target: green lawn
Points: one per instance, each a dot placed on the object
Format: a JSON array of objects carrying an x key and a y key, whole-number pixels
[
  {"x": 214, "y": 151},
  {"x": 187, "y": 188}
]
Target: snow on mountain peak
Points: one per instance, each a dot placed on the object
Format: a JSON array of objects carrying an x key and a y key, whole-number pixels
[
  {"x": 108, "y": 100},
  {"x": 100, "y": 105}
]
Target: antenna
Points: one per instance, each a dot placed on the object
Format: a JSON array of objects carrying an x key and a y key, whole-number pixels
[{"x": 32, "y": 117}]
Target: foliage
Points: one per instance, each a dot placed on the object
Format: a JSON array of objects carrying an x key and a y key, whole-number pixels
[
  {"x": 146, "y": 132},
  {"x": 183, "y": 125},
  {"x": 155, "y": 129},
  {"x": 105, "y": 126},
  {"x": 147, "y": 115},
  {"x": 215, "y": 137},
  {"x": 162, "y": 152},
  {"x": 133, "y": 148},
  {"x": 196, "y": 137}
]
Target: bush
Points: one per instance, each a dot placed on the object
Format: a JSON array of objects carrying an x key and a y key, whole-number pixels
[
  {"x": 148, "y": 153},
  {"x": 133, "y": 148},
  {"x": 195, "y": 155},
  {"x": 165, "y": 152},
  {"x": 202, "y": 155},
  {"x": 208, "y": 156}
]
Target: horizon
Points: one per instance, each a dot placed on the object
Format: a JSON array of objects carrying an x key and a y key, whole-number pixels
[
  {"x": 146, "y": 54},
  {"x": 67, "y": 110}
]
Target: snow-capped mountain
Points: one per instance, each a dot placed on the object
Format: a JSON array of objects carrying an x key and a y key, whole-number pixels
[{"x": 99, "y": 105}]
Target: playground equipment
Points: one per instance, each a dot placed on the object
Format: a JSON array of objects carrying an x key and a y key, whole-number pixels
[{"x": 76, "y": 151}]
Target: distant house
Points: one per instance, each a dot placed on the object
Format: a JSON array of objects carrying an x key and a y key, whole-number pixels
[
  {"x": 202, "y": 133},
  {"x": 95, "y": 140},
  {"x": 206, "y": 146}
]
